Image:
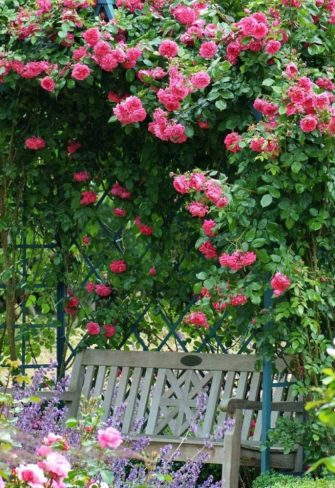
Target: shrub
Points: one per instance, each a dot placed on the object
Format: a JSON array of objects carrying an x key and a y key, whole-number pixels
[{"x": 275, "y": 480}]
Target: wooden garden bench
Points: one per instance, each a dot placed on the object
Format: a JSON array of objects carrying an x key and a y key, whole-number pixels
[{"x": 162, "y": 388}]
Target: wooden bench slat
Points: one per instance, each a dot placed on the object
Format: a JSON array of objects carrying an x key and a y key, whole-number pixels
[
  {"x": 88, "y": 381},
  {"x": 99, "y": 383},
  {"x": 131, "y": 400},
  {"x": 156, "y": 396},
  {"x": 145, "y": 389},
  {"x": 109, "y": 393},
  {"x": 253, "y": 395}
]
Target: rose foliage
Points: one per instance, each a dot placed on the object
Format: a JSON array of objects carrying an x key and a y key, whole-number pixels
[{"x": 237, "y": 103}]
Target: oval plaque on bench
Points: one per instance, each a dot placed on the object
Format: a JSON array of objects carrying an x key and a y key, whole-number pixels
[{"x": 191, "y": 360}]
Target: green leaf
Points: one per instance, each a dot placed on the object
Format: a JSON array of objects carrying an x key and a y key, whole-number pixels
[
  {"x": 221, "y": 105},
  {"x": 268, "y": 82},
  {"x": 71, "y": 423},
  {"x": 266, "y": 200},
  {"x": 296, "y": 167}
]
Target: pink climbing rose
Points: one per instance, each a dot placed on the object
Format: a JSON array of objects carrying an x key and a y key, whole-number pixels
[
  {"x": 35, "y": 143},
  {"x": 118, "y": 266},
  {"x": 130, "y": 111},
  {"x": 197, "y": 318},
  {"x": 280, "y": 283},
  {"x": 93, "y": 328}
]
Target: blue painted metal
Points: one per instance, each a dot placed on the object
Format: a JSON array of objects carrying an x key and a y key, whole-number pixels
[
  {"x": 267, "y": 395},
  {"x": 61, "y": 333},
  {"x": 106, "y": 7}
]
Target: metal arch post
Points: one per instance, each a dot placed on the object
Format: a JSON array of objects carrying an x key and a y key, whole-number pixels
[
  {"x": 267, "y": 395},
  {"x": 60, "y": 295},
  {"x": 107, "y": 7}
]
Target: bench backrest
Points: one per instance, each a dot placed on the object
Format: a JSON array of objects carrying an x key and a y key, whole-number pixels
[{"x": 162, "y": 388}]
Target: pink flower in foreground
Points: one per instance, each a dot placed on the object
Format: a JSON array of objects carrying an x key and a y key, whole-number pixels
[
  {"x": 109, "y": 438},
  {"x": 168, "y": 49},
  {"x": 93, "y": 328},
  {"x": 80, "y": 72},
  {"x": 103, "y": 291},
  {"x": 32, "y": 475},
  {"x": 280, "y": 283},
  {"x": 2, "y": 483},
  {"x": 118, "y": 266},
  {"x": 88, "y": 198},
  {"x": 308, "y": 123},
  {"x": 197, "y": 318},
  {"x": 197, "y": 209},
  {"x": 185, "y": 15},
  {"x": 48, "y": 84},
  {"x": 291, "y": 70},
  {"x": 35, "y": 143},
  {"x": 180, "y": 184},
  {"x": 57, "y": 465},
  {"x": 81, "y": 176},
  {"x": 130, "y": 111},
  {"x": 109, "y": 330}
]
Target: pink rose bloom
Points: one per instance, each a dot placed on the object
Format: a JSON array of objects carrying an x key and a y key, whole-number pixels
[
  {"x": 103, "y": 291},
  {"x": 88, "y": 198},
  {"x": 197, "y": 318},
  {"x": 120, "y": 191},
  {"x": 232, "y": 142},
  {"x": 35, "y": 143},
  {"x": 57, "y": 465},
  {"x": 109, "y": 62},
  {"x": 51, "y": 438},
  {"x": 197, "y": 209},
  {"x": 81, "y": 176},
  {"x": 152, "y": 271},
  {"x": 208, "y": 250},
  {"x": 180, "y": 184},
  {"x": 109, "y": 330},
  {"x": 42, "y": 451},
  {"x": 119, "y": 212},
  {"x": 80, "y": 72},
  {"x": 213, "y": 191},
  {"x": 32, "y": 475},
  {"x": 185, "y": 15},
  {"x": 237, "y": 260},
  {"x": 73, "y": 146},
  {"x": 203, "y": 124},
  {"x": 238, "y": 300},
  {"x": 291, "y": 70},
  {"x": 261, "y": 31},
  {"x": 118, "y": 266},
  {"x": 308, "y": 123},
  {"x": 86, "y": 240},
  {"x": 197, "y": 181},
  {"x": 130, "y": 111},
  {"x": 102, "y": 48},
  {"x": 168, "y": 49},
  {"x": 145, "y": 230},
  {"x": 208, "y": 49},
  {"x": 208, "y": 227},
  {"x": 272, "y": 47},
  {"x": 2, "y": 483},
  {"x": 221, "y": 202},
  {"x": 47, "y": 83},
  {"x": 79, "y": 53},
  {"x": 93, "y": 328},
  {"x": 280, "y": 283},
  {"x": 109, "y": 438},
  {"x": 200, "y": 80},
  {"x": 92, "y": 36},
  {"x": 90, "y": 287}
]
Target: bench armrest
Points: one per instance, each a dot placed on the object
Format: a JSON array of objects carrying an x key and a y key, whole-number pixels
[{"x": 233, "y": 404}]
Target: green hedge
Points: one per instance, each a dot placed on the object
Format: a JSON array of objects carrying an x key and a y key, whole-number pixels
[{"x": 283, "y": 481}]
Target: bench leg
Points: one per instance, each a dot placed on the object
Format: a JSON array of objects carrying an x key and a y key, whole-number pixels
[{"x": 232, "y": 453}]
